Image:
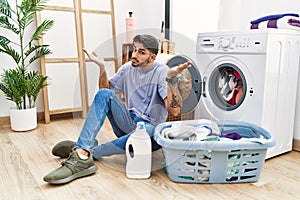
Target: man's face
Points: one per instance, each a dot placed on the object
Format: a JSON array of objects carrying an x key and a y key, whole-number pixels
[{"x": 140, "y": 56}]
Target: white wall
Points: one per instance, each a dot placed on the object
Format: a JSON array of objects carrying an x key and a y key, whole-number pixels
[
  {"x": 189, "y": 19},
  {"x": 229, "y": 15},
  {"x": 194, "y": 16}
]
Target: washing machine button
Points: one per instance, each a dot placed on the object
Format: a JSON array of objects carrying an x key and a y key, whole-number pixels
[{"x": 225, "y": 44}]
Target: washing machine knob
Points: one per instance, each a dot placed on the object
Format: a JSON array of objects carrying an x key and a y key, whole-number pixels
[{"x": 225, "y": 43}]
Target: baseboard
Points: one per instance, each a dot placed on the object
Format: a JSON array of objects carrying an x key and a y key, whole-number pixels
[
  {"x": 41, "y": 117},
  {"x": 296, "y": 144}
]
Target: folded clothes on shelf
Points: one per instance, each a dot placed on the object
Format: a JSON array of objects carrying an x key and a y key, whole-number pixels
[
  {"x": 271, "y": 17},
  {"x": 284, "y": 21}
]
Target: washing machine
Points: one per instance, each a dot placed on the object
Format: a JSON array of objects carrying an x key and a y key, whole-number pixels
[{"x": 247, "y": 76}]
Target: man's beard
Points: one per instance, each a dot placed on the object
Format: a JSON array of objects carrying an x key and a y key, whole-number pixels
[{"x": 146, "y": 62}]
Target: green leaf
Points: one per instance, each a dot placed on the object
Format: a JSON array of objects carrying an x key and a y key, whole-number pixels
[
  {"x": 26, "y": 20},
  {"x": 39, "y": 53},
  {"x": 34, "y": 82},
  {"x": 5, "y": 23},
  {"x": 33, "y": 5},
  {"x": 5, "y": 8},
  {"x": 12, "y": 86},
  {"x": 33, "y": 48},
  {"x": 42, "y": 29},
  {"x": 4, "y": 41},
  {"x": 12, "y": 53}
]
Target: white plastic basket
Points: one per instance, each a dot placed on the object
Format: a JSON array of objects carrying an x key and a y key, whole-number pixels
[{"x": 229, "y": 161}]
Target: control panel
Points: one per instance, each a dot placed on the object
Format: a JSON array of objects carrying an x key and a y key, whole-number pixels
[
  {"x": 232, "y": 43},
  {"x": 226, "y": 43}
]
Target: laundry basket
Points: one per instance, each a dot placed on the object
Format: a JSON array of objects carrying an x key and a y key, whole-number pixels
[{"x": 229, "y": 161}]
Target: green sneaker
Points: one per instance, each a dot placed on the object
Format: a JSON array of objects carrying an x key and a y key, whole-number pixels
[
  {"x": 64, "y": 148},
  {"x": 72, "y": 168}
]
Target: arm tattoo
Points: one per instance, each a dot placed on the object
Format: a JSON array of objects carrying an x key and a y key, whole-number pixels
[
  {"x": 176, "y": 96},
  {"x": 174, "y": 101}
]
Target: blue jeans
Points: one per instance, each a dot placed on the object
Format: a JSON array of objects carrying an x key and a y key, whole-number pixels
[{"x": 123, "y": 122}]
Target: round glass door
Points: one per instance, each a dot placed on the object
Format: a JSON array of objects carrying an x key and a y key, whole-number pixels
[
  {"x": 189, "y": 83},
  {"x": 227, "y": 86}
]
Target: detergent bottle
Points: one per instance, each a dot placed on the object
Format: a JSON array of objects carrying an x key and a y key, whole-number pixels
[
  {"x": 138, "y": 153},
  {"x": 130, "y": 27}
]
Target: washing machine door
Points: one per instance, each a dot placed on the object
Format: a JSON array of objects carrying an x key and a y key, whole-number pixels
[
  {"x": 227, "y": 86},
  {"x": 189, "y": 83},
  {"x": 228, "y": 89}
]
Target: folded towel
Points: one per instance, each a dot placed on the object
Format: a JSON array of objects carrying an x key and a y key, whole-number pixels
[
  {"x": 286, "y": 22},
  {"x": 270, "y": 17},
  {"x": 294, "y": 22}
]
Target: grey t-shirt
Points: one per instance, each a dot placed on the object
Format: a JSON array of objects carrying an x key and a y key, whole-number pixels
[{"x": 144, "y": 91}]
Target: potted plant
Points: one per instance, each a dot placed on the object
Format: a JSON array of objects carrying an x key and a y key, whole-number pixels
[{"x": 20, "y": 84}]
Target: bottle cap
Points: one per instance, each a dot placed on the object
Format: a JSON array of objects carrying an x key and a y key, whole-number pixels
[{"x": 140, "y": 125}]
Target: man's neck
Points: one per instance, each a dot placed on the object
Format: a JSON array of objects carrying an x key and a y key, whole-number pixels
[{"x": 146, "y": 67}]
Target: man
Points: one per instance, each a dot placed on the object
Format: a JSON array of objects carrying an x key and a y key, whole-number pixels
[{"x": 150, "y": 90}]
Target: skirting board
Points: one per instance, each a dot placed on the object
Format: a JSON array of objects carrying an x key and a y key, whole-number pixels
[
  {"x": 4, "y": 121},
  {"x": 296, "y": 144}
]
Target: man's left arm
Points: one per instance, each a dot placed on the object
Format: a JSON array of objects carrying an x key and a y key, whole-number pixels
[{"x": 173, "y": 101}]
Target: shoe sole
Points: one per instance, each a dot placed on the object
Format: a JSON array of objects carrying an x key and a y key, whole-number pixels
[{"x": 89, "y": 171}]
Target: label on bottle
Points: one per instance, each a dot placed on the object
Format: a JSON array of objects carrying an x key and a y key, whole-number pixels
[{"x": 130, "y": 29}]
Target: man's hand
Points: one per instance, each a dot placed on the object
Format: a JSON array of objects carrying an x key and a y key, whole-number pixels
[
  {"x": 172, "y": 72},
  {"x": 103, "y": 80},
  {"x": 95, "y": 58}
]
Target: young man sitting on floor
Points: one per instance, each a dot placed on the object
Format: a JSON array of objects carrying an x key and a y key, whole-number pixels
[{"x": 150, "y": 90}]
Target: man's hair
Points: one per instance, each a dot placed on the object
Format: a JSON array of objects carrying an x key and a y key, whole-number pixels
[{"x": 149, "y": 42}]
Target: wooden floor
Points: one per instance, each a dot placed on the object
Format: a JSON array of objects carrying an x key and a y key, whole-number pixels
[{"x": 26, "y": 158}]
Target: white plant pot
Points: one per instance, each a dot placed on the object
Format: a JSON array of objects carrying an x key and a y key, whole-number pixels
[{"x": 23, "y": 120}]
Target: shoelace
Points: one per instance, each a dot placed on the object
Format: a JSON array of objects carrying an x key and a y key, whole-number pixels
[{"x": 70, "y": 161}]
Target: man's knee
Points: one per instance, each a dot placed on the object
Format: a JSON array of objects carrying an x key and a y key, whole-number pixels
[{"x": 104, "y": 93}]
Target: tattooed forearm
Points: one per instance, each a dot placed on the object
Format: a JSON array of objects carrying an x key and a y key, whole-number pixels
[{"x": 176, "y": 100}]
